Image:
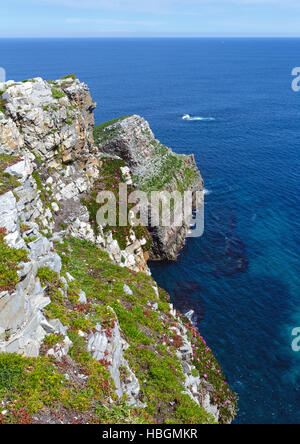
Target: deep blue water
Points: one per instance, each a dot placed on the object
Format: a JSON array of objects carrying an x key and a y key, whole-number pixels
[{"x": 242, "y": 276}]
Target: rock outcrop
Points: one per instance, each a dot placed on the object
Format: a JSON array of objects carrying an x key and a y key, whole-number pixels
[
  {"x": 154, "y": 168},
  {"x": 53, "y": 123},
  {"x": 80, "y": 297},
  {"x": 55, "y": 119}
]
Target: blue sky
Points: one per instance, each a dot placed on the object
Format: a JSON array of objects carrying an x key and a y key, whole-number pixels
[{"x": 158, "y": 18}]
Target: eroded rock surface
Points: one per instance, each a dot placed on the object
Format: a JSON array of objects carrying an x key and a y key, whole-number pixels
[
  {"x": 154, "y": 167},
  {"x": 49, "y": 164}
]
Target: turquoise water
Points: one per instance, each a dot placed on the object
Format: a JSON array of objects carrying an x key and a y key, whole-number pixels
[{"x": 242, "y": 276}]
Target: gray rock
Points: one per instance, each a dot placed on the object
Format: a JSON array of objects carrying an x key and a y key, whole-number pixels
[
  {"x": 58, "y": 326},
  {"x": 112, "y": 348},
  {"x": 52, "y": 260},
  {"x": 55, "y": 207},
  {"x": 127, "y": 290},
  {"x": 21, "y": 170},
  {"x": 82, "y": 297},
  {"x": 69, "y": 277},
  {"x": 189, "y": 315},
  {"x": 8, "y": 212},
  {"x": 60, "y": 350},
  {"x": 39, "y": 247}
]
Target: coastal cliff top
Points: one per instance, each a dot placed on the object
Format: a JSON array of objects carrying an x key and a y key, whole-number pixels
[{"x": 85, "y": 332}]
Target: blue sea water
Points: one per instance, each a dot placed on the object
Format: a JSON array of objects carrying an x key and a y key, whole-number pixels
[{"x": 242, "y": 276}]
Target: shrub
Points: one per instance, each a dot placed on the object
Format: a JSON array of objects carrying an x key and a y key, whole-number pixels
[
  {"x": 57, "y": 94},
  {"x": 69, "y": 76},
  {"x": 10, "y": 259}
]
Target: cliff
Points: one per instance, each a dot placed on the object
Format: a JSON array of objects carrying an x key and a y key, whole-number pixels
[
  {"x": 154, "y": 168},
  {"x": 86, "y": 335}
]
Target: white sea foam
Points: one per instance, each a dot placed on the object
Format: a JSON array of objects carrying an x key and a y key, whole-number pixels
[
  {"x": 207, "y": 192},
  {"x": 198, "y": 118}
]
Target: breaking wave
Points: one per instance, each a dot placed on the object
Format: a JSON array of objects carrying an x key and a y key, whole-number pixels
[{"x": 198, "y": 118}]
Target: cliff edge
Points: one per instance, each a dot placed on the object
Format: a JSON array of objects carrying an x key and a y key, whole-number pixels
[{"x": 86, "y": 335}]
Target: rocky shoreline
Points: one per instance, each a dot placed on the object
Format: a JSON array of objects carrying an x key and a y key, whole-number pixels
[{"x": 79, "y": 310}]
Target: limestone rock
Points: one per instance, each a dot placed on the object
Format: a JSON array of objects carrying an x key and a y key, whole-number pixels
[
  {"x": 112, "y": 347},
  {"x": 132, "y": 139}
]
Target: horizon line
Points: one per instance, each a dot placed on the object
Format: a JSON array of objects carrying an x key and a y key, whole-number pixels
[{"x": 152, "y": 37}]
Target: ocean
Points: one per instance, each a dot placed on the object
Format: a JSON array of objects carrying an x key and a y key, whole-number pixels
[{"x": 242, "y": 276}]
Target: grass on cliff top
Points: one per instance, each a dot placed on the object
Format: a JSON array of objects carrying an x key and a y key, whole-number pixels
[
  {"x": 103, "y": 133},
  {"x": 69, "y": 76},
  {"x": 163, "y": 168},
  {"x": 160, "y": 170},
  {"x": 57, "y": 94}
]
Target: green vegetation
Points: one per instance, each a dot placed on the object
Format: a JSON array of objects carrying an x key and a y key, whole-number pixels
[
  {"x": 69, "y": 76},
  {"x": 165, "y": 166},
  {"x": 32, "y": 386},
  {"x": 2, "y": 106},
  {"x": 162, "y": 169},
  {"x": 51, "y": 281},
  {"x": 145, "y": 330},
  {"x": 111, "y": 177},
  {"x": 57, "y": 94},
  {"x": 39, "y": 386},
  {"x": 103, "y": 133},
  {"x": 38, "y": 180},
  {"x": 52, "y": 340},
  {"x": 7, "y": 181},
  {"x": 186, "y": 179},
  {"x": 9, "y": 265},
  {"x": 30, "y": 239},
  {"x": 209, "y": 369},
  {"x": 38, "y": 159},
  {"x": 119, "y": 413},
  {"x": 45, "y": 195}
]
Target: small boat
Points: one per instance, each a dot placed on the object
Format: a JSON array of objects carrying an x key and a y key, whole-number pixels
[{"x": 186, "y": 117}]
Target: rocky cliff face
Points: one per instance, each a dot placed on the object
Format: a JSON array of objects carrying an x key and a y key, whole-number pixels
[
  {"x": 52, "y": 123},
  {"x": 55, "y": 119},
  {"x": 79, "y": 311},
  {"x": 154, "y": 168}
]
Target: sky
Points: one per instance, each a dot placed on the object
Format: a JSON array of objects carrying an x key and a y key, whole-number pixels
[{"x": 150, "y": 18}]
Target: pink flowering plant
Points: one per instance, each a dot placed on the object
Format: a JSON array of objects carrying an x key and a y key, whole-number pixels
[{"x": 209, "y": 370}]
